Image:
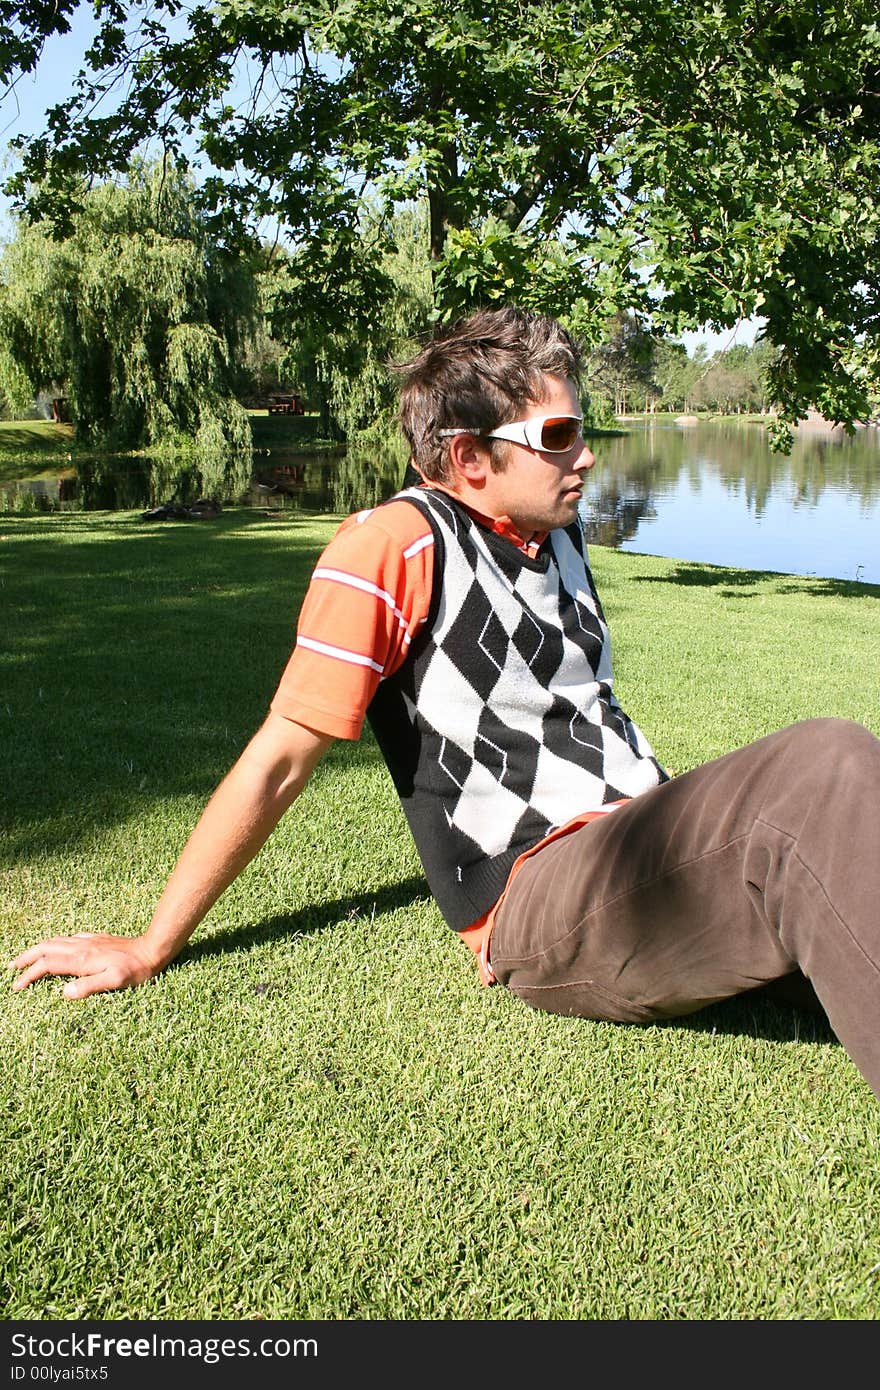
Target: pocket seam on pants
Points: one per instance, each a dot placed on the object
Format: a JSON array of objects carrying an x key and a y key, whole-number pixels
[{"x": 612, "y": 901}]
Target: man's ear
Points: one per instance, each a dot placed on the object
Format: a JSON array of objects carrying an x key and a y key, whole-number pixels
[{"x": 469, "y": 459}]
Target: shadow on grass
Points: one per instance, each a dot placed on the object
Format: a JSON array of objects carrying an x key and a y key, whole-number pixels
[
  {"x": 713, "y": 576},
  {"x": 137, "y": 659},
  {"x": 34, "y": 437},
  {"x": 777, "y": 1015},
  {"x": 760, "y": 1014},
  {"x": 314, "y": 918}
]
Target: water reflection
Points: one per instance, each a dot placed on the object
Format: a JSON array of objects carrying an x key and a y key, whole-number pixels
[
  {"x": 712, "y": 492},
  {"x": 333, "y": 480},
  {"x": 716, "y": 493},
  {"x": 343, "y": 481}
]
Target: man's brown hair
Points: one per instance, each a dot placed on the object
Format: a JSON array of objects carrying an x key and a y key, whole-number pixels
[{"x": 478, "y": 373}]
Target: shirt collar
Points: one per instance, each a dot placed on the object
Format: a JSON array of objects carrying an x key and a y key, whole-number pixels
[{"x": 501, "y": 525}]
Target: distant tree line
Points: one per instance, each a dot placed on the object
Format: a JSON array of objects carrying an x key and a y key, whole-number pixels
[
  {"x": 138, "y": 319},
  {"x": 157, "y": 332},
  {"x": 634, "y": 370}
]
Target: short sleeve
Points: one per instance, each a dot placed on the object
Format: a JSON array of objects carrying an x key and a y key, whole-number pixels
[{"x": 369, "y": 595}]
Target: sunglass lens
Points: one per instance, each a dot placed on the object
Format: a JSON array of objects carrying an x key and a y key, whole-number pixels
[{"x": 559, "y": 435}]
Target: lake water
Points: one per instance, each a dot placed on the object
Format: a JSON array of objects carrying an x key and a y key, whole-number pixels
[
  {"x": 716, "y": 493},
  {"x": 713, "y": 493}
]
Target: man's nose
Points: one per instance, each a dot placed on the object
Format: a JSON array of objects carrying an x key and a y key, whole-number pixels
[{"x": 585, "y": 460}]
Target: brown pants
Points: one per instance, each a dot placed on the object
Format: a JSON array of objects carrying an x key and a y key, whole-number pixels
[{"x": 759, "y": 864}]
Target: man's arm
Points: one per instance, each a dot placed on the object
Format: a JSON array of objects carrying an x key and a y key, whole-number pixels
[{"x": 235, "y": 824}]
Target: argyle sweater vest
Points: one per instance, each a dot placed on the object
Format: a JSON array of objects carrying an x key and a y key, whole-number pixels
[{"x": 501, "y": 724}]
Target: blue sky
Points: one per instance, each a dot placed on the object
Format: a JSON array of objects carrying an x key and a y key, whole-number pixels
[
  {"x": 22, "y": 111},
  {"x": 23, "y": 107}
]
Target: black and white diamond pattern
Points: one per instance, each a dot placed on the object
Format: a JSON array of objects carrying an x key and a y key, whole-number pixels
[{"x": 515, "y": 687}]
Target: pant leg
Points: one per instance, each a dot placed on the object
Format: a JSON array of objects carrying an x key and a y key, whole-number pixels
[{"x": 760, "y": 863}]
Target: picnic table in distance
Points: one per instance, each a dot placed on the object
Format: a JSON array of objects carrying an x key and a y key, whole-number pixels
[{"x": 286, "y": 405}]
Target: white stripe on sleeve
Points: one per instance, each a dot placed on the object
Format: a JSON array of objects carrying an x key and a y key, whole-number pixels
[
  {"x": 339, "y": 653},
  {"x": 418, "y": 545},
  {"x": 354, "y": 581}
]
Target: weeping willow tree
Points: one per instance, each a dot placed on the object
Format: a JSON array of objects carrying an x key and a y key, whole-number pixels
[
  {"x": 337, "y": 339},
  {"x": 139, "y": 318}
]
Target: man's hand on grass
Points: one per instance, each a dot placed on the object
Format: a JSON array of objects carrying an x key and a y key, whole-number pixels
[
  {"x": 235, "y": 824},
  {"x": 99, "y": 961}
]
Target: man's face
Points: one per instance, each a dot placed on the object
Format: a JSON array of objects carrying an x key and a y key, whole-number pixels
[{"x": 540, "y": 491}]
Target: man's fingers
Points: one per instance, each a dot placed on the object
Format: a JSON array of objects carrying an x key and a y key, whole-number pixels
[
  {"x": 35, "y": 972},
  {"x": 62, "y": 956},
  {"x": 38, "y": 952},
  {"x": 98, "y": 961},
  {"x": 91, "y": 984},
  {"x": 28, "y": 957}
]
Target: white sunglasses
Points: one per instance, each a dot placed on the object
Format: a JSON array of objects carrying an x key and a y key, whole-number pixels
[{"x": 546, "y": 434}]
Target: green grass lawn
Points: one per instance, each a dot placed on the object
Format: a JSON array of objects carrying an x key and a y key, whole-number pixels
[
  {"x": 316, "y": 1112},
  {"x": 33, "y": 448}
]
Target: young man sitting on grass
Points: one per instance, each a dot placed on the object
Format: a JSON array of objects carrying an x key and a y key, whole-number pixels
[{"x": 460, "y": 618}]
